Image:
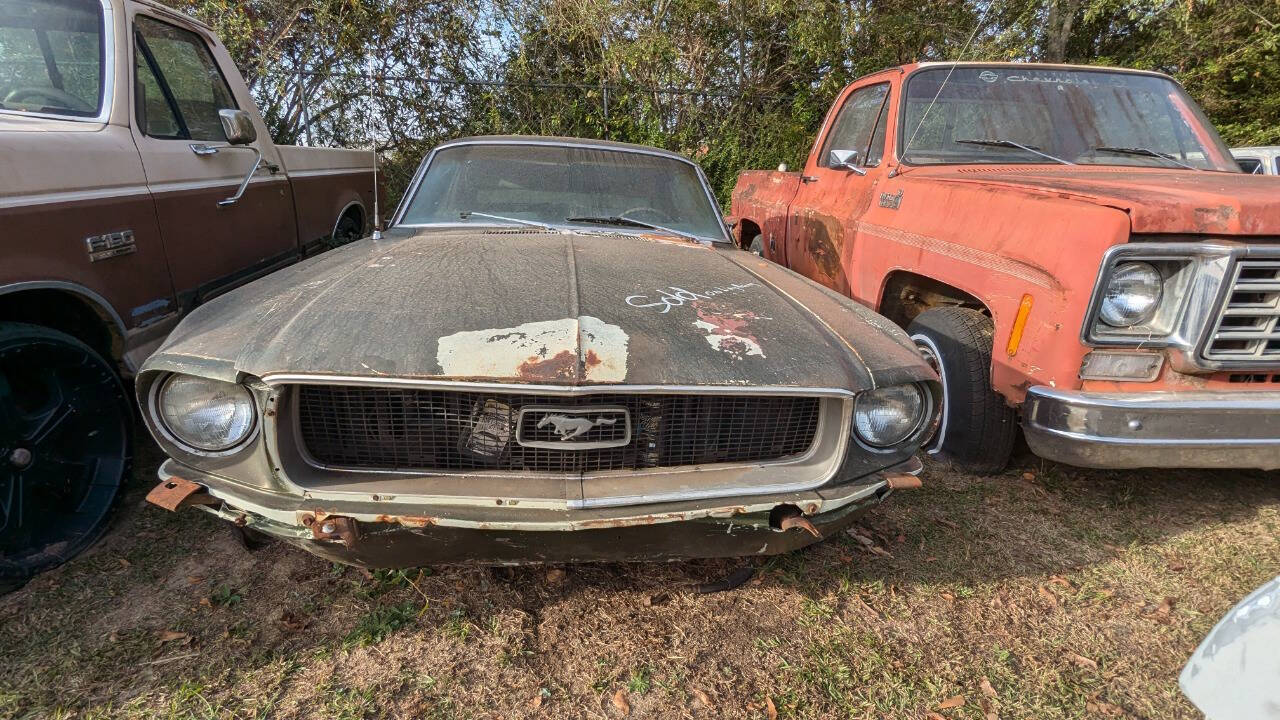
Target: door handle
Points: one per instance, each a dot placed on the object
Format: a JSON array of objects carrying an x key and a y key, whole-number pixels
[
  {"x": 202, "y": 149},
  {"x": 806, "y": 179}
]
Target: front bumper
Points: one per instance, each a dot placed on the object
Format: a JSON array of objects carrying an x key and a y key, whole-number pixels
[
  {"x": 1154, "y": 429},
  {"x": 407, "y": 534}
]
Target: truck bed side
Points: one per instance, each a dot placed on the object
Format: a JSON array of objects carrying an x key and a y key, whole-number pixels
[
  {"x": 328, "y": 182},
  {"x": 760, "y": 201}
]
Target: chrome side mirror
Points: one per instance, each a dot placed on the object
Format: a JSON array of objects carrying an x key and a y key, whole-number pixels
[
  {"x": 237, "y": 126},
  {"x": 845, "y": 159}
]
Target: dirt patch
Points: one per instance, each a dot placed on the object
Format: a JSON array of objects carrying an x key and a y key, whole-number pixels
[{"x": 1046, "y": 592}]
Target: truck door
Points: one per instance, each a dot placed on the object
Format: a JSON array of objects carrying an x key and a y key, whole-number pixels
[
  {"x": 178, "y": 90},
  {"x": 836, "y": 189}
]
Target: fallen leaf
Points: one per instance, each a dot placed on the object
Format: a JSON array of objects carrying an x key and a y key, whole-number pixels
[
  {"x": 1081, "y": 660},
  {"x": 954, "y": 701},
  {"x": 947, "y": 523},
  {"x": 770, "y": 709},
  {"x": 206, "y": 602},
  {"x": 879, "y": 551},
  {"x": 1060, "y": 581},
  {"x": 1165, "y": 609},
  {"x": 536, "y": 702},
  {"x": 171, "y": 635},
  {"x": 947, "y": 596},
  {"x": 555, "y": 575},
  {"x": 985, "y": 687},
  {"x": 1177, "y": 566},
  {"x": 291, "y": 621},
  {"x": 1028, "y": 476},
  {"x": 113, "y": 637},
  {"x": 1053, "y": 599},
  {"x": 124, "y": 563},
  {"x": 194, "y": 580},
  {"x": 701, "y": 697},
  {"x": 933, "y": 716},
  {"x": 991, "y": 716},
  {"x": 620, "y": 699}
]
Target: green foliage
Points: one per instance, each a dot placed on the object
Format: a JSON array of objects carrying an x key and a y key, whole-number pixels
[{"x": 735, "y": 84}]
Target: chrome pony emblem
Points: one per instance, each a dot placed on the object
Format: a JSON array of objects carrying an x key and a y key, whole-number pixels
[
  {"x": 573, "y": 428},
  {"x": 569, "y": 428}
]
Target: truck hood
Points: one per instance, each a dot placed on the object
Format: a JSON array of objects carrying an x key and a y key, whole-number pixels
[
  {"x": 1157, "y": 200},
  {"x": 531, "y": 306}
]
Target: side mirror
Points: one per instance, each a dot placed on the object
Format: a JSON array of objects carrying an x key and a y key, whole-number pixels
[
  {"x": 846, "y": 159},
  {"x": 237, "y": 126}
]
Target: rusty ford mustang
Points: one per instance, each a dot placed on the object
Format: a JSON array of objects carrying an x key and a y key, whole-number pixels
[{"x": 555, "y": 353}]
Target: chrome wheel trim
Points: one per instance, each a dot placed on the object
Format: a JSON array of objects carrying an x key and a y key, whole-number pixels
[{"x": 933, "y": 357}]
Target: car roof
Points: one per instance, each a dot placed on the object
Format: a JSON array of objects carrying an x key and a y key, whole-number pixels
[{"x": 561, "y": 141}]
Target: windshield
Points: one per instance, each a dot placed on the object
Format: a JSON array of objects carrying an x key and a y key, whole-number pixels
[
  {"x": 51, "y": 57},
  {"x": 563, "y": 185},
  {"x": 983, "y": 115}
]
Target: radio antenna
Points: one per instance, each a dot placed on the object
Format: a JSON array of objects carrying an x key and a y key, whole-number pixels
[
  {"x": 959, "y": 58},
  {"x": 377, "y": 218}
]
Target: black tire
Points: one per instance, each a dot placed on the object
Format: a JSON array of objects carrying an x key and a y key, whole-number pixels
[
  {"x": 348, "y": 229},
  {"x": 978, "y": 428},
  {"x": 65, "y": 438},
  {"x": 757, "y": 245}
]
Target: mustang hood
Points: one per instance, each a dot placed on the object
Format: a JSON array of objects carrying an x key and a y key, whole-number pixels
[
  {"x": 531, "y": 306},
  {"x": 1157, "y": 200}
]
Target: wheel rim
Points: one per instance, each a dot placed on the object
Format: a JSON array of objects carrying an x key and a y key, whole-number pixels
[
  {"x": 933, "y": 358},
  {"x": 64, "y": 438},
  {"x": 347, "y": 231}
]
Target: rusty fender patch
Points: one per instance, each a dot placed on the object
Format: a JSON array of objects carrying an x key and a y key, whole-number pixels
[
  {"x": 584, "y": 348},
  {"x": 965, "y": 254}
]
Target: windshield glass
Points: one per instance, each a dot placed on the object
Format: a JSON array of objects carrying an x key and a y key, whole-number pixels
[
  {"x": 51, "y": 56},
  {"x": 982, "y": 114},
  {"x": 550, "y": 184}
]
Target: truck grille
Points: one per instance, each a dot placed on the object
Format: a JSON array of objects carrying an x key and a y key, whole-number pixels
[
  {"x": 1248, "y": 326},
  {"x": 449, "y": 430}
]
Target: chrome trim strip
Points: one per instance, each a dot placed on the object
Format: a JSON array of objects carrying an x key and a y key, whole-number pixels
[
  {"x": 73, "y": 196},
  {"x": 407, "y": 197},
  {"x": 108, "y": 76},
  {"x": 278, "y": 379}
]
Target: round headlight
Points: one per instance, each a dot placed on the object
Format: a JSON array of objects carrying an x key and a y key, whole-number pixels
[
  {"x": 1132, "y": 295},
  {"x": 889, "y": 415},
  {"x": 208, "y": 415}
]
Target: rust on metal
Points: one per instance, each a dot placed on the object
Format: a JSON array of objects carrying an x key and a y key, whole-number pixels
[
  {"x": 332, "y": 527},
  {"x": 903, "y": 481},
  {"x": 799, "y": 521},
  {"x": 176, "y": 493}
]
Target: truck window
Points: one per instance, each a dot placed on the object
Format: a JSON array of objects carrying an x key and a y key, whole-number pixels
[
  {"x": 51, "y": 57},
  {"x": 1102, "y": 117},
  {"x": 853, "y": 126},
  {"x": 174, "y": 68},
  {"x": 1253, "y": 166}
]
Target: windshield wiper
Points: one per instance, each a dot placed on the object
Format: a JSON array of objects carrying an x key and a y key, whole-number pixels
[
  {"x": 624, "y": 221},
  {"x": 1012, "y": 144},
  {"x": 1144, "y": 151},
  {"x": 465, "y": 214}
]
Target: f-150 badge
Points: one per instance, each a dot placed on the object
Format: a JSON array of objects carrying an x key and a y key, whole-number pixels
[{"x": 110, "y": 245}]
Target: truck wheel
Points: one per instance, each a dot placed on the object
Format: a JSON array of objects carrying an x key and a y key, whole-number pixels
[
  {"x": 978, "y": 428},
  {"x": 757, "y": 245},
  {"x": 65, "y": 434},
  {"x": 347, "y": 230}
]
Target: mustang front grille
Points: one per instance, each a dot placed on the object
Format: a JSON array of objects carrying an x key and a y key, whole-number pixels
[
  {"x": 450, "y": 430},
  {"x": 1247, "y": 329}
]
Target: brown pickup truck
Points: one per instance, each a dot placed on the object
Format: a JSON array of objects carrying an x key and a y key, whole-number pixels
[
  {"x": 137, "y": 180},
  {"x": 1071, "y": 247}
]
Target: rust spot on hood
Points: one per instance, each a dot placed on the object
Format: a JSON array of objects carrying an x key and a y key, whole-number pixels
[{"x": 561, "y": 366}]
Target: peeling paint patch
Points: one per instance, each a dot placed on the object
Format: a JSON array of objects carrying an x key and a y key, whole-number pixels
[
  {"x": 584, "y": 348},
  {"x": 727, "y": 331}
]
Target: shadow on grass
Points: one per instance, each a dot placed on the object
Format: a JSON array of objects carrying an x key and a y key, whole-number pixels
[{"x": 147, "y": 610}]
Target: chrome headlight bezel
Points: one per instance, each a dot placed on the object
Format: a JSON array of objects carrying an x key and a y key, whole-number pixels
[
  {"x": 164, "y": 424},
  {"x": 918, "y": 426},
  {"x": 1191, "y": 276}
]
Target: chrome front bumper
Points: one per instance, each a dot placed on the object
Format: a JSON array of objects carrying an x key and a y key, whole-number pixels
[{"x": 1167, "y": 430}]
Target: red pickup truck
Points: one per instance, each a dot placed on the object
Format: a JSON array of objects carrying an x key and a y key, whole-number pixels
[{"x": 1073, "y": 248}]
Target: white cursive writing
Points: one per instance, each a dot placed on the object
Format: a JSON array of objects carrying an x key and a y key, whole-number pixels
[{"x": 675, "y": 297}]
